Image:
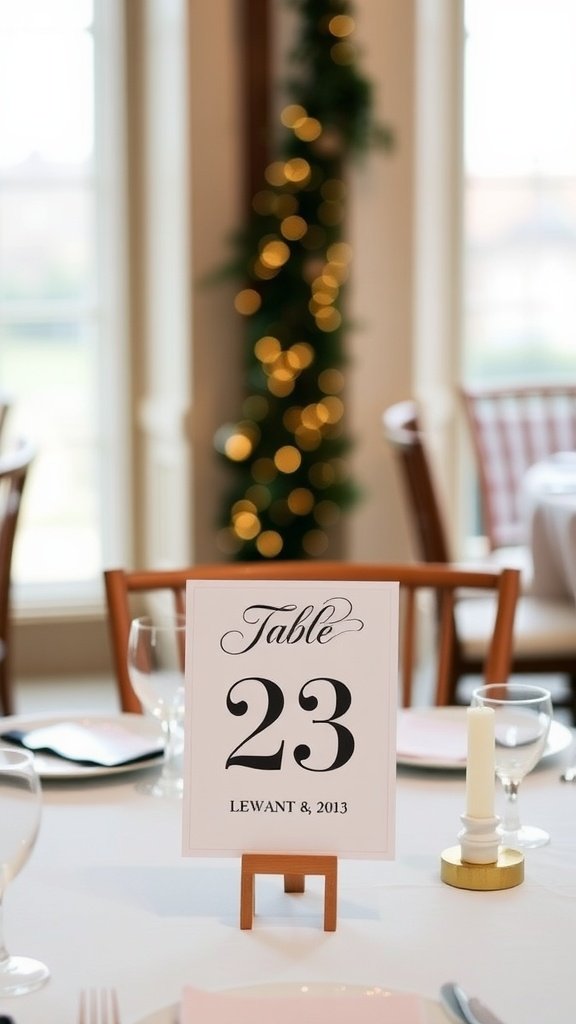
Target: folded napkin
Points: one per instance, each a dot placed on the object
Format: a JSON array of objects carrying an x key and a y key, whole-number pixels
[
  {"x": 107, "y": 743},
  {"x": 431, "y": 738},
  {"x": 382, "y": 1007}
]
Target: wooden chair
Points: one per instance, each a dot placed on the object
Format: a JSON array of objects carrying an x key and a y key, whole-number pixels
[
  {"x": 544, "y": 631},
  {"x": 402, "y": 431},
  {"x": 123, "y": 588},
  {"x": 14, "y": 468},
  {"x": 5, "y": 406},
  {"x": 511, "y": 429}
]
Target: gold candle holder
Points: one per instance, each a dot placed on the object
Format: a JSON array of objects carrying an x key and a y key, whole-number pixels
[{"x": 478, "y": 862}]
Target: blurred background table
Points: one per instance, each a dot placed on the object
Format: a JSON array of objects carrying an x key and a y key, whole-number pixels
[{"x": 550, "y": 506}]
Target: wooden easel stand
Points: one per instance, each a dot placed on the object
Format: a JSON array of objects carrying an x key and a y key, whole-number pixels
[{"x": 294, "y": 867}]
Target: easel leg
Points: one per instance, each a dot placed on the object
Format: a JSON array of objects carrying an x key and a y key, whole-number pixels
[
  {"x": 294, "y": 883},
  {"x": 246, "y": 897}
]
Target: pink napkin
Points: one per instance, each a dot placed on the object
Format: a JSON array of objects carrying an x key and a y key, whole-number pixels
[
  {"x": 431, "y": 738},
  {"x": 383, "y": 1007}
]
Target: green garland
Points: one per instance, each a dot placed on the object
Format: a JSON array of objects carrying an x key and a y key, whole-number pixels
[{"x": 290, "y": 479}]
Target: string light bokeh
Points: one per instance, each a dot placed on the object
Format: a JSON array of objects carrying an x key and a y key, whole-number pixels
[{"x": 287, "y": 452}]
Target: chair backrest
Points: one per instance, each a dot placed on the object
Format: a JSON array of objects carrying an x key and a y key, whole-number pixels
[
  {"x": 444, "y": 581},
  {"x": 511, "y": 429},
  {"x": 14, "y": 466},
  {"x": 5, "y": 406},
  {"x": 402, "y": 431}
]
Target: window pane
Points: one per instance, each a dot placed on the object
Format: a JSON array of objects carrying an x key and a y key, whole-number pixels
[
  {"x": 46, "y": 245},
  {"x": 520, "y": 190},
  {"x": 50, "y": 367},
  {"x": 48, "y": 285}
]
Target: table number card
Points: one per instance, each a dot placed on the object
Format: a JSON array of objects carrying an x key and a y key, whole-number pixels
[{"x": 291, "y": 692}]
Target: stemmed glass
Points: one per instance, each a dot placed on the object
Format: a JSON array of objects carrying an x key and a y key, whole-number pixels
[
  {"x": 156, "y": 669},
  {"x": 523, "y": 715},
  {"x": 20, "y": 810}
]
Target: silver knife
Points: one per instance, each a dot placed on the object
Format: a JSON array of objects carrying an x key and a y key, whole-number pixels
[{"x": 466, "y": 1010}]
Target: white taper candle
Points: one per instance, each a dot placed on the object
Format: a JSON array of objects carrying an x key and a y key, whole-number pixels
[{"x": 480, "y": 781}]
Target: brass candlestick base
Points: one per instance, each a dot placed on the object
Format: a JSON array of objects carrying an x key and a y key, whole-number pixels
[{"x": 504, "y": 873}]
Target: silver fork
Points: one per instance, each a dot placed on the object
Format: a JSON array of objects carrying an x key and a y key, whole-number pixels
[{"x": 99, "y": 1006}]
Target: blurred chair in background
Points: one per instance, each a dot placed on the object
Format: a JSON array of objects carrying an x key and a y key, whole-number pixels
[
  {"x": 5, "y": 406},
  {"x": 14, "y": 466},
  {"x": 512, "y": 428},
  {"x": 493, "y": 654},
  {"x": 544, "y": 631}
]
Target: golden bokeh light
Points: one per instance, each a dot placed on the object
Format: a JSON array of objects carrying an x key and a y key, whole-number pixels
[
  {"x": 343, "y": 53},
  {"x": 308, "y": 129},
  {"x": 308, "y": 438},
  {"x": 269, "y": 544},
  {"x": 267, "y": 348},
  {"x": 282, "y": 370},
  {"x": 301, "y": 501},
  {"x": 339, "y": 272},
  {"x": 310, "y": 416},
  {"x": 280, "y": 388},
  {"x": 315, "y": 542},
  {"x": 297, "y": 170},
  {"x": 303, "y": 352},
  {"x": 275, "y": 173},
  {"x": 293, "y": 114},
  {"x": 242, "y": 505},
  {"x": 293, "y": 228},
  {"x": 291, "y": 418},
  {"x": 238, "y": 447},
  {"x": 333, "y": 408},
  {"x": 341, "y": 25},
  {"x": 264, "y": 471},
  {"x": 339, "y": 252},
  {"x": 328, "y": 319},
  {"x": 262, "y": 272},
  {"x": 274, "y": 254},
  {"x": 247, "y": 301},
  {"x": 247, "y": 525},
  {"x": 287, "y": 459},
  {"x": 324, "y": 297},
  {"x": 331, "y": 382}
]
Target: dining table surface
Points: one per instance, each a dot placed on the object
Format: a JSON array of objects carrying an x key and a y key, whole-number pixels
[
  {"x": 107, "y": 899},
  {"x": 549, "y": 496}
]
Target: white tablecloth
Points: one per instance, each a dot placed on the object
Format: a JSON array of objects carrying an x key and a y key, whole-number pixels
[
  {"x": 550, "y": 503},
  {"x": 106, "y": 899}
]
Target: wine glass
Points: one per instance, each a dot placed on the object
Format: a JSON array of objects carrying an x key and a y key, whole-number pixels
[
  {"x": 156, "y": 668},
  {"x": 522, "y": 720},
  {"x": 20, "y": 810}
]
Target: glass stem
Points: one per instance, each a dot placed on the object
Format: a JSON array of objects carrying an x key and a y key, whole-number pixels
[
  {"x": 169, "y": 726},
  {"x": 4, "y": 957},
  {"x": 511, "y": 821}
]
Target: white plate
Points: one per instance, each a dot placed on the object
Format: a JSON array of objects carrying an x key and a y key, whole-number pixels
[
  {"x": 434, "y": 1014},
  {"x": 446, "y": 720},
  {"x": 51, "y": 767}
]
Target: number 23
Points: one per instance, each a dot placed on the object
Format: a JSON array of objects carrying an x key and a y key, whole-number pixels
[{"x": 308, "y": 702}]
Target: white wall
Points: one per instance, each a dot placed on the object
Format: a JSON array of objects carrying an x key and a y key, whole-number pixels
[{"x": 381, "y": 224}]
